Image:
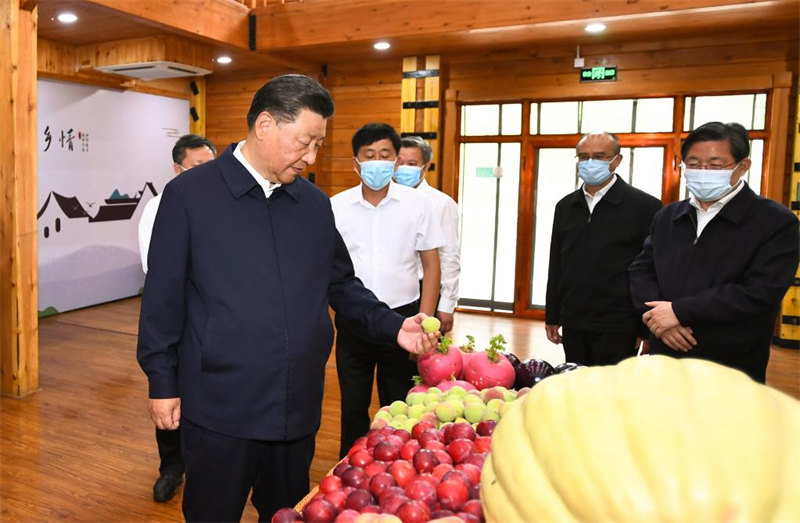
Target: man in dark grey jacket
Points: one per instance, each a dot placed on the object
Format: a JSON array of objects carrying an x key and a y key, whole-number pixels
[
  {"x": 597, "y": 231},
  {"x": 715, "y": 266}
]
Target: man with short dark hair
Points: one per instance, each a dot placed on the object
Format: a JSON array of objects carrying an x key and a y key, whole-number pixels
[
  {"x": 387, "y": 228},
  {"x": 413, "y": 162},
  {"x": 715, "y": 266},
  {"x": 597, "y": 231},
  {"x": 234, "y": 331}
]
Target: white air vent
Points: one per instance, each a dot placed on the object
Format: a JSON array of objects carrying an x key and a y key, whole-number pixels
[{"x": 154, "y": 70}]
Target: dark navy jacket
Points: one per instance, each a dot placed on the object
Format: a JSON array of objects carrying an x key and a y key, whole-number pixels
[
  {"x": 587, "y": 281},
  {"x": 234, "y": 317},
  {"x": 728, "y": 284}
]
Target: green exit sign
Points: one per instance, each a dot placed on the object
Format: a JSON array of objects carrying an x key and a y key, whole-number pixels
[{"x": 599, "y": 74}]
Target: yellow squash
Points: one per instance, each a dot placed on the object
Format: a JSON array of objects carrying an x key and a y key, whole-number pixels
[{"x": 651, "y": 439}]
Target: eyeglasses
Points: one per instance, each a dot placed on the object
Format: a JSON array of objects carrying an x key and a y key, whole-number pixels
[
  {"x": 597, "y": 156},
  {"x": 708, "y": 166}
]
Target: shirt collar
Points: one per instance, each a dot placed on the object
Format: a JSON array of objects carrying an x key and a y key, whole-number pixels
[
  {"x": 265, "y": 184},
  {"x": 602, "y": 192},
  {"x": 719, "y": 204},
  {"x": 357, "y": 195}
]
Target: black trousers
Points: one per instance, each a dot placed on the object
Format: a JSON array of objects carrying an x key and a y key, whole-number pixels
[
  {"x": 221, "y": 471},
  {"x": 169, "y": 450},
  {"x": 356, "y": 360},
  {"x": 597, "y": 348}
]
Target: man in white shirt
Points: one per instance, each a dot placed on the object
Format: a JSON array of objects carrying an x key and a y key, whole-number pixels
[
  {"x": 190, "y": 150},
  {"x": 413, "y": 162},
  {"x": 387, "y": 228}
]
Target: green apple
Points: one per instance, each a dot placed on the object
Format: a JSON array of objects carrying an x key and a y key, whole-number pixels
[{"x": 431, "y": 324}]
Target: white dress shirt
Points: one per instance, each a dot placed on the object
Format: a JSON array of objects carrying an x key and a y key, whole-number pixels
[
  {"x": 445, "y": 211},
  {"x": 706, "y": 215},
  {"x": 146, "y": 228},
  {"x": 592, "y": 200},
  {"x": 265, "y": 184},
  {"x": 383, "y": 241}
]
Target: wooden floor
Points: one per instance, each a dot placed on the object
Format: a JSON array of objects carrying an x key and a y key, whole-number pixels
[{"x": 82, "y": 448}]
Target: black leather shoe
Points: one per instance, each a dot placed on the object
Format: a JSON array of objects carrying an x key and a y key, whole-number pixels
[{"x": 165, "y": 487}]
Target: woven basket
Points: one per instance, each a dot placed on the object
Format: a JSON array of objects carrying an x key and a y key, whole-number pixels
[{"x": 303, "y": 502}]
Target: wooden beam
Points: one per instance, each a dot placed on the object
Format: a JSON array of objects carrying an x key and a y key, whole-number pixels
[
  {"x": 218, "y": 21},
  {"x": 775, "y": 173},
  {"x": 19, "y": 347},
  {"x": 334, "y": 21},
  {"x": 198, "y": 103},
  {"x": 166, "y": 48}
]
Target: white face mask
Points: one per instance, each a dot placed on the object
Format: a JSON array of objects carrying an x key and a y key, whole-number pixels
[{"x": 709, "y": 185}]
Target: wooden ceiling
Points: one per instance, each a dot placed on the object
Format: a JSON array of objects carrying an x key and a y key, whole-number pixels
[{"x": 304, "y": 34}]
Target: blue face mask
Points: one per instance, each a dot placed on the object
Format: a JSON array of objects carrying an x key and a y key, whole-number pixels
[
  {"x": 594, "y": 172},
  {"x": 408, "y": 175},
  {"x": 708, "y": 185},
  {"x": 376, "y": 174}
]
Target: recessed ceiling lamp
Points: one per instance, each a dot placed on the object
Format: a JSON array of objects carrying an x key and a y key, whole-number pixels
[
  {"x": 382, "y": 46},
  {"x": 67, "y": 18},
  {"x": 224, "y": 60},
  {"x": 596, "y": 27}
]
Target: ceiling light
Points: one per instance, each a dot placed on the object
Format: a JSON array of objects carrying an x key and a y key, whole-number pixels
[
  {"x": 596, "y": 27},
  {"x": 224, "y": 60},
  {"x": 67, "y": 18},
  {"x": 382, "y": 46}
]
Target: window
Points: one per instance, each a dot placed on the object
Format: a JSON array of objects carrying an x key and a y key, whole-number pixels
[
  {"x": 642, "y": 115},
  {"x": 750, "y": 110}
]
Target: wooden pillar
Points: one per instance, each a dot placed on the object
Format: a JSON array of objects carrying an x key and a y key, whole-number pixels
[
  {"x": 789, "y": 320},
  {"x": 19, "y": 341},
  {"x": 421, "y": 97},
  {"x": 197, "y": 122},
  {"x": 774, "y": 167}
]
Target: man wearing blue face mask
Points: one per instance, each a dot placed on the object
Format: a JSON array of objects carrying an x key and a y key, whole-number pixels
[
  {"x": 597, "y": 231},
  {"x": 413, "y": 162},
  {"x": 715, "y": 267},
  {"x": 387, "y": 228}
]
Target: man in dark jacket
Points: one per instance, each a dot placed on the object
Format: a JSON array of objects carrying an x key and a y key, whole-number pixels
[
  {"x": 715, "y": 267},
  {"x": 597, "y": 231},
  {"x": 234, "y": 330}
]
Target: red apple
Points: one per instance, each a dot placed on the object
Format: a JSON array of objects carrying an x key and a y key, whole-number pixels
[
  {"x": 371, "y": 509},
  {"x": 425, "y": 461},
  {"x": 380, "y": 482},
  {"x": 485, "y": 428},
  {"x": 386, "y": 451},
  {"x": 483, "y": 443},
  {"x": 430, "y": 478},
  {"x": 402, "y": 471},
  {"x": 330, "y": 483},
  {"x": 374, "y": 439},
  {"x": 285, "y": 515},
  {"x": 430, "y": 435},
  {"x": 390, "y": 491},
  {"x": 423, "y": 491},
  {"x": 458, "y": 477},
  {"x": 466, "y": 517},
  {"x": 443, "y": 456},
  {"x": 413, "y": 511},
  {"x": 421, "y": 427},
  {"x": 475, "y": 491},
  {"x": 341, "y": 467},
  {"x": 459, "y": 449},
  {"x": 358, "y": 499},
  {"x": 354, "y": 477},
  {"x": 473, "y": 506},
  {"x": 409, "y": 449},
  {"x": 460, "y": 431},
  {"x": 476, "y": 458},
  {"x": 402, "y": 434},
  {"x": 396, "y": 440},
  {"x": 441, "y": 513},
  {"x": 472, "y": 472},
  {"x": 360, "y": 458},
  {"x": 319, "y": 510},
  {"x": 452, "y": 495},
  {"x": 337, "y": 498}
]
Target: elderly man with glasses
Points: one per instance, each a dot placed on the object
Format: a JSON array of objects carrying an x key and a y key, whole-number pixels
[
  {"x": 715, "y": 266},
  {"x": 597, "y": 231}
]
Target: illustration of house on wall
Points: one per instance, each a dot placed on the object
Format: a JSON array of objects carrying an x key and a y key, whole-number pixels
[{"x": 57, "y": 208}]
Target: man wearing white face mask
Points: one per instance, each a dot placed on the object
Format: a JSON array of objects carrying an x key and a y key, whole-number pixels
[
  {"x": 386, "y": 227},
  {"x": 597, "y": 231},
  {"x": 715, "y": 267},
  {"x": 413, "y": 162}
]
